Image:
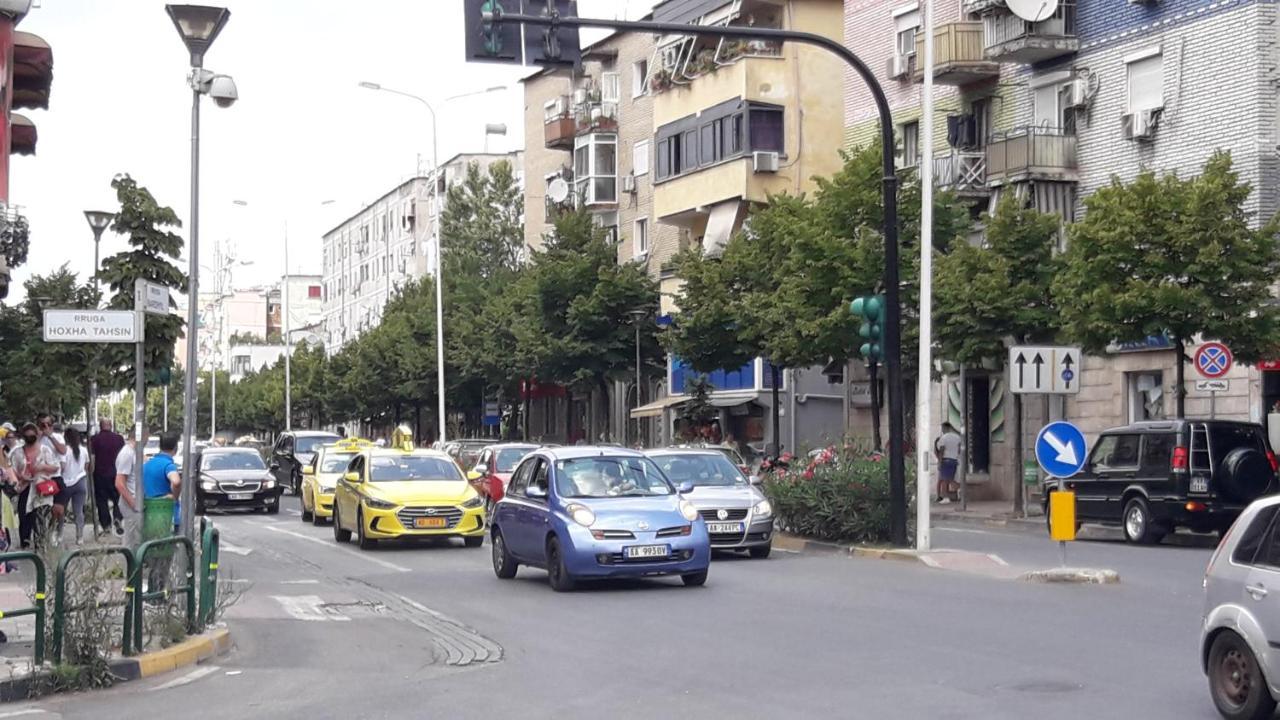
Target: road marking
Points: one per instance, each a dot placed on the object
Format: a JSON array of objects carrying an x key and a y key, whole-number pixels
[
  {"x": 299, "y": 582},
  {"x": 308, "y": 607},
  {"x": 20, "y": 713},
  {"x": 334, "y": 546},
  {"x": 234, "y": 549},
  {"x": 298, "y": 513},
  {"x": 187, "y": 679}
]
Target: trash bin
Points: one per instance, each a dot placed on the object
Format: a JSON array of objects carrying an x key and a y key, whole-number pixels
[{"x": 157, "y": 522}]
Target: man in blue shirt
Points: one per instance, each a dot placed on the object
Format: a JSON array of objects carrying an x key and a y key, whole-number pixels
[{"x": 161, "y": 479}]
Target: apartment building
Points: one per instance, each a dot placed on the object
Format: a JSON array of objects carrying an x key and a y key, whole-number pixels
[
  {"x": 386, "y": 244},
  {"x": 1051, "y": 107}
]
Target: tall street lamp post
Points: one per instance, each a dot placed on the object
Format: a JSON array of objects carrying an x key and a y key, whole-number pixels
[
  {"x": 435, "y": 231},
  {"x": 98, "y": 222},
  {"x": 198, "y": 26},
  {"x": 636, "y": 317}
]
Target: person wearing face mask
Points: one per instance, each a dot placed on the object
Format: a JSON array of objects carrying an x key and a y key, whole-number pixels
[{"x": 35, "y": 465}]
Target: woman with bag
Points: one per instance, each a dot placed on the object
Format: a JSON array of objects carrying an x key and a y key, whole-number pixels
[
  {"x": 74, "y": 486},
  {"x": 36, "y": 465}
]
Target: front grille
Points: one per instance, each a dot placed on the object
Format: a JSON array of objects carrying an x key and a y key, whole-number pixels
[
  {"x": 734, "y": 514},
  {"x": 230, "y": 487},
  {"x": 622, "y": 559},
  {"x": 451, "y": 515},
  {"x": 726, "y": 538}
]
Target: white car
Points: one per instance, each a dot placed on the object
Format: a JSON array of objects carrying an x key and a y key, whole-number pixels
[{"x": 737, "y": 514}]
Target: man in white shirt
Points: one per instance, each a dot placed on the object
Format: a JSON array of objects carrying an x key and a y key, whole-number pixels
[
  {"x": 129, "y": 487},
  {"x": 947, "y": 447}
]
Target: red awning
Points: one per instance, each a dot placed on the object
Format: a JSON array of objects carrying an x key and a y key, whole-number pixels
[
  {"x": 22, "y": 135},
  {"x": 32, "y": 71}
]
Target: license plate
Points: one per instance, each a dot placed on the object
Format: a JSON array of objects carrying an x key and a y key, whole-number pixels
[
  {"x": 240, "y": 496},
  {"x": 717, "y": 528},
  {"x": 430, "y": 522},
  {"x": 647, "y": 551},
  {"x": 1199, "y": 485}
]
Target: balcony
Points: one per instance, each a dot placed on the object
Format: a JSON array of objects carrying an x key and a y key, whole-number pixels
[
  {"x": 559, "y": 127},
  {"x": 1032, "y": 154},
  {"x": 963, "y": 172},
  {"x": 595, "y": 116},
  {"x": 958, "y": 57},
  {"x": 1009, "y": 38}
]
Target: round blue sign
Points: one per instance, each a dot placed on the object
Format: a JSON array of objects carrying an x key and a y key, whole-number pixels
[{"x": 1061, "y": 449}]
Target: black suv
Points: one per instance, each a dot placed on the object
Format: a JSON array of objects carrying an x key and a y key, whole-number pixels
[
  {"x": 1152, "y": 477},
  {"x": 293, "y": 450}
]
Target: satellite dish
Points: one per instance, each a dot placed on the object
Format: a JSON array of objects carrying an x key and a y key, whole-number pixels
[
  {"x": 1033, "y": 10},
  {"x": 558, "y": 190}
]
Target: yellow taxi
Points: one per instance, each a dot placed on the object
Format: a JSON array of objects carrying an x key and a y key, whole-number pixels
[
  {"x": 322, "y": 476},
  {"x": 388, "y": 494}
]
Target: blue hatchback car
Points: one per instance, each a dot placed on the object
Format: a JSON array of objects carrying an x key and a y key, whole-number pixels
[{"x": 593, "y": 513}]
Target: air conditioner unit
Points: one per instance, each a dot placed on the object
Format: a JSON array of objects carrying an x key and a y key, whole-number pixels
[
  {"x": 899, "y": 66},
  {"x": 555, "y": 109},
  {"x": 628, "y": 183},
  {"x": 1140, "y": 125},
  {"x": 1078, "y": 93},
  {"x": 764, "y": 162},
  {"x": 580, "y": 96}
]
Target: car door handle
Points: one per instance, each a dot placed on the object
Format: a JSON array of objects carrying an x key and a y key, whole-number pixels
[{"x": 1258, "y": 591}]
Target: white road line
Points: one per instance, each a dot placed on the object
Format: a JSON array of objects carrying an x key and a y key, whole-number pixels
[
  {"x": 21, "y": 713},
  {"x": 299, "y": 582},
  {"x": 308, "y": 607},
  {"x": 298, "y": 513},
  {"x": 234, "y": 549},
  {"x": 187, "y": 679},
  {"x": 335, "y": 546}
]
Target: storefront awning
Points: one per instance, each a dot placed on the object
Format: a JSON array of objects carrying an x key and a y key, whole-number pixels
[
  {"x": 32, "y": 71},
  {"x": 656, "y": 408},
  {"x": 720, "y": 227},
  {"x": 727, "y": 400},
  {"x": 22, "y": 135}
]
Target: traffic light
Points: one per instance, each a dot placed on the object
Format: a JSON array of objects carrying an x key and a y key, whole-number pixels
[
  {"x": 560, "y": 47},
  {"x": 489, "y": 39},
  {"x": 871, "y": 309}
]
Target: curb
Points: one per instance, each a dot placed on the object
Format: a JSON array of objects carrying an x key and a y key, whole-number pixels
[
  {"x": 1079, "y": 576},
  {"x": 795, "y": 544},
  {"x": 193, "y": 650},
  {"x": 1035, "y": 526}
]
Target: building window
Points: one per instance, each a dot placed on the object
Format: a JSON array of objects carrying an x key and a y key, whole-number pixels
[
  {"x": 981, "y": 110},
  {"x": 910, "y": 144},
  {"x": 595, "y": 167},
  {"x": 610, "y": 87},
  {"x": 640, "y": 158},
  {"x": 1051, "y": 112},
  {"x": 639, "y": 78},
  {"x": 313, "y": 291},
  {"x": 1146, "y": 395},
  {"x": 723, "y": 132},
  {"x": 608, "y": 222},
  {"x": 906, "y": 21},
  {"x": 765, "y": 123},
  {"x": 640, "y": 237},
  {"x": 1146, "y": 81}
]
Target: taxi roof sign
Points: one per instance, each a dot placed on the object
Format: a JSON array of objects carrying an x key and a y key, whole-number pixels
[{"x": 351, "y": 444}]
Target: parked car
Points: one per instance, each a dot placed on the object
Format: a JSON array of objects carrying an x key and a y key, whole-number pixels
[
  {"x": 235, "y": 478},
  {"x": 592, "y": 513},
  {"x": 734, "y": 456},
  {"x": 737, "y": 514},
  {"x": 1241, "y": 627},
  {"x": 1153, "y": 477},
  {"x": 389, "y": 494},
  {"x": 292, "y": 451},
  {"x": 492, "y": 471}
]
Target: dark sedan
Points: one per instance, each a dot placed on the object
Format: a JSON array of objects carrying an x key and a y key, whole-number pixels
[{"x": 235, "y": 478}]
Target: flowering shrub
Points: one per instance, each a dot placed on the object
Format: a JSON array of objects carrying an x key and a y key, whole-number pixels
[{"x": 840, "y": 494}]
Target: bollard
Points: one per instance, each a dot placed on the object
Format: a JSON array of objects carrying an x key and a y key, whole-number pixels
[{"x": 208, "y": 572}]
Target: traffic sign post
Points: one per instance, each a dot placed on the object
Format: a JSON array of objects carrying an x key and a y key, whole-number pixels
[
  {"x": 1044, "y": 369},
  {"x": 1061, "y": 451},
  {"x": 1213, "y": 360}
]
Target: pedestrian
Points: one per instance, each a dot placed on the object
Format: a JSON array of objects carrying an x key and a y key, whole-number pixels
[
  {"x": 35, "y": 465},
  {"x": 52, "y": 438},
  {"x": 947, "y": 448},
  {"x": 161, "y": 479},
  {"x": 74, "y": 485},
  {"x": 127, "y": 489},
  {"x": 103, "y": 449}
]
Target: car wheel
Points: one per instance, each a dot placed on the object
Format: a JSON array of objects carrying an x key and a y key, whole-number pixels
[
  {"x": 473, "y": 542},
  {"x": 365, "y": 542},
  {"x": 697, "y": 579},
  {"x": 200, "y": 509},
  {"x": 273, "y": 509},
  {"x": 306, "y": 514},
  {"x": 316, "y": 519},
  {"x": 1236, "y": 682},
  {"x": 504, "y": 566},
  {"x": 557, "y": 573},
  {"x": 1139, "y": 526},
  {"x": 761, "y": 552},
  {"x": 339, "y": 534}
]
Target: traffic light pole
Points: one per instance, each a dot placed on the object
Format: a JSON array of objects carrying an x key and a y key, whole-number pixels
[{"x": 889, "y": 188}]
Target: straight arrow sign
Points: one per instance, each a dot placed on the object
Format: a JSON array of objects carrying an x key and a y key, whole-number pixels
[
  {"x": 1054, "y": 370},
  {"x": 1038, "y": 362},
  {"x": 1021, "y": 362}
]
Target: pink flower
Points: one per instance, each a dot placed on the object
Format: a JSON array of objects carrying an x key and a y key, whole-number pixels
[{"x": 808, "y": 474}]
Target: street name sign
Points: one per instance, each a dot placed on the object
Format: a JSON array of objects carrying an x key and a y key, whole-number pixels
[
  {"x": 90, "y": 326},
  {"x": 1061, "y": 449},
  {"x": 1044, "y": 369},
  {"x": 150, "y": 297},
  {"x": 1213, "y": 386},
  {"x": 1213, "y": 360}
]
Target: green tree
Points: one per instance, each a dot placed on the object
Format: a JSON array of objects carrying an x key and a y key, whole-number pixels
[{"x": 1175, "y": 257}]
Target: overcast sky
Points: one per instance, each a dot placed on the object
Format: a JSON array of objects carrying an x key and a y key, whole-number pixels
[{"x": 302, "y": 133}]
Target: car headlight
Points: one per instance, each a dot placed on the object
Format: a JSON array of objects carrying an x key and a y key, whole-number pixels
[
  {"x": 377, "y": 504},
  {"x": 269, "y": 484},
  {"x": 473, "y": 502},
  {"x": 763, "y": 509},
  {"x": 581, "y": 514},
  {"x": 208, "y": 485},
  {"x": 326, "y": 488},
  {"x": 689, "y": 512}
]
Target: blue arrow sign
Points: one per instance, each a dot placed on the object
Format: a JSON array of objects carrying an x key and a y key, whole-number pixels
[{"x": 1061, "y": 449}]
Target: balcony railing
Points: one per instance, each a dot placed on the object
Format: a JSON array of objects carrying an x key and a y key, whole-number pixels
[
  {"x": 1009, "y": 38},
  {"x": 594, "y": 116},
  {"x": 559, "y": 127},
  {"x": 961, "y": 171},
  {"x": 958, "y": 55},
  {"x": 1032, "y": 153}
]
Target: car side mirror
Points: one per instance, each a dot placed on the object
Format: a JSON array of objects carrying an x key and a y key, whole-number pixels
[
  {"x": 535, "y": 493},
  {"x": 308, "y": 470},
  {"x": 482, "y": 469},
  {"x": 274, "y": 466},
  {"x": 755, "y": 480},
  {"x": 351, "y": 477},
  {"x": 685, "y": 487}
]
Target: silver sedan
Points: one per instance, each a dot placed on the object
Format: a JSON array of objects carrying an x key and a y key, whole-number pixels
[{"x": 737, "y": 514}]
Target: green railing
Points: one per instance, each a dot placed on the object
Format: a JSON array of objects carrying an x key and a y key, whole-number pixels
[
  {"x": 208, "y": 572},
  {"x": 157, "y": 547},
  {"x": 38, "y": 608},
  {"x": 60, "y": 610}
]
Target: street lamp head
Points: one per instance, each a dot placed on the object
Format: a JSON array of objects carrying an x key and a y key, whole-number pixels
[
  {"x": 370, "y": 85},
  {"x": 495, "y": 129},
  {"x": 98, "y": 219},
  {"x": 198, "y": 26}
]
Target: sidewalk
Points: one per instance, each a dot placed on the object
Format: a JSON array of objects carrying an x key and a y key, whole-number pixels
[{"x": 988, "y": 513}]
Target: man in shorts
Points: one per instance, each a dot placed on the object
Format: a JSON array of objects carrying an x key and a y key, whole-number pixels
[{"x": 947, "y": 447}]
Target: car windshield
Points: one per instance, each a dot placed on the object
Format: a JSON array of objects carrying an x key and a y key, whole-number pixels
[
  {"x": 153, "y": 445},
  {"x": 335, "y": 462},
  {"x": 732, "y": 455},
  {"x": 390, "y": 468},
  {"x": 233, "y": 461},
  {"x": 310, "y": 444},
  {"x": 508, "y": 458},
  {"x": 602, "y": 477},
  {"x": 701, "y": 470}
]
